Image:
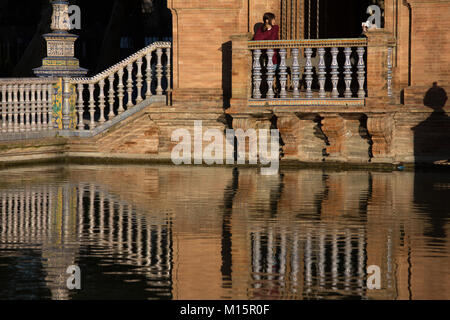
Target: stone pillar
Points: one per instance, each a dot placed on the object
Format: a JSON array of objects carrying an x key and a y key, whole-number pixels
[
  {"x": 344, "y": 137},
  {"x": 380, "y": 127},
  {"x": 59, "y": 63},
  {"x": 333, "y": 128},
  {"x": 300, "y": 135},
  {"x": 60, "y": 60},
  {"x": 241, "y": 76},
  {"x": 201, "y": 33},
  {"x": 246, "y": 122},
  {"x": 379, "y": 41}
]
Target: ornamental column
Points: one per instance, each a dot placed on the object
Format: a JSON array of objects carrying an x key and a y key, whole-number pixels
[
  {"x": 60, "y": 60},
  {"x": 61, "y": 63}
]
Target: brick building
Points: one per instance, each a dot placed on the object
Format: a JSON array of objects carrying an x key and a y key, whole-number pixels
[
  {"x": 406, "y": 62},
  {"x": 336, "y": 96}
]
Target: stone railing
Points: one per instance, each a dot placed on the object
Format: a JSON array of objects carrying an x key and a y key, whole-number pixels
[
  {"x": 310, "y": 70},
  {"x": 144, "y": 75},
  {"x": 26, "y": 106}
]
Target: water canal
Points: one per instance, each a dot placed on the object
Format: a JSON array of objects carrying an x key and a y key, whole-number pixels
[{"x": 165, "y": 232}]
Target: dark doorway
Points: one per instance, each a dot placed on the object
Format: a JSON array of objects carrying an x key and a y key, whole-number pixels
[{"x": 329, "y": 19}]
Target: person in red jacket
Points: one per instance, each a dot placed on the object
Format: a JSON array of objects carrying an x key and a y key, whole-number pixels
[{"x": 269, "y": 31}]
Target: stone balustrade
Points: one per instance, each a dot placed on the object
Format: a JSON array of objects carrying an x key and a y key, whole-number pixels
[
  {"x": 125, "y": 85},
  {"x": 311, "y": 70},
  {"x": 26, "y": 105}
]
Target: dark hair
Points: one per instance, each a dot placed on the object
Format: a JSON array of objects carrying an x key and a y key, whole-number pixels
[{"x": 267, "y": 19}]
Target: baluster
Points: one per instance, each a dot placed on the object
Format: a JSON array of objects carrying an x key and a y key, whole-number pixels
[
  {"x": 148, "y": 58},
  {"x": 348, "y": 72},
  {"x": 295, "y": 73},
  {"x": 4, "y": 109},
  {"x": 120, "y": 94},
  {"x": 139, "y": 81},
  {"x": 38, "y": 106},
  {"x": 389, "y": 72},
  {"x": 101, "y": 100},
  {"x": 45, "y": 101},
  {"x": 10, "y": 108},
  {"x": 270, "y": 73},
  {"x": 16, "y": 107},
  {"x": 91, "y": 106},
  {"x": 308, "y": 261},
  {"x": 361, "y": 258},
  {"x": 22, "y": 107},
  {"x": 27, "y": 108},
  {"x": 361, "y": 72},
  {"x": 43, "y": 107},
  {"x": 51, "y": 101},
  {"x": 283, "y": 73},
  {"x": 308, "y": 72},
  {"x": 80, "y": 106},
  {"x": 159, "y": 70},
  {"x": 334, "y": 260},
  {"x": 49, "y": 109},
  {"x": 33, "y": 107},
  {"x": 322, "y": 260},
  {"x": 334, "y": 72},
  {"x": 257, "y": 74},
  {"x": 322, "y": 73},
  {"x": 348, "y": 258},
  {"x": 130, "y": 85},
  {"x": 111, "y": 113},
  {"x": 168, "y": 69}
]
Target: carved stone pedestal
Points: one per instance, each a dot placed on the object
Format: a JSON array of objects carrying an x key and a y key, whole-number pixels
[
  {"x": 346, "y": 138},
  {"x": 301, "y": 137}
]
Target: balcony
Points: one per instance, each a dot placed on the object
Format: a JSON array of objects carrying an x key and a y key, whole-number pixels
[{"x": 314, "y": 73}]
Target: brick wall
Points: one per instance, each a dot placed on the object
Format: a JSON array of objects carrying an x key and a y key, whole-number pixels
[{"x": 430, "y": 42}]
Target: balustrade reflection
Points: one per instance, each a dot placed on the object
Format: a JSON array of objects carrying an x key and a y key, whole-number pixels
[{"x": 300, "y": 234}]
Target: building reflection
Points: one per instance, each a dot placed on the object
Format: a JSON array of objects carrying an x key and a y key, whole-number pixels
[{"x": 217, "y": 233}]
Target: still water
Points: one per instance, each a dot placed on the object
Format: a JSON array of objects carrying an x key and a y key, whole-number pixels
[{"x": 164, "y": 232}]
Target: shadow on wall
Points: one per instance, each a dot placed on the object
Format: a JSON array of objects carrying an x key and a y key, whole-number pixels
[
  {"x": 227, "y": 65},
  {"x": 432, "y": 136}
]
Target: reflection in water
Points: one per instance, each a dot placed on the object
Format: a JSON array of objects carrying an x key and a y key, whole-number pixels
[{"x": 159, "y": 232}]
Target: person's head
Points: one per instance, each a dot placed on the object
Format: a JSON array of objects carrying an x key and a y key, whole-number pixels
[{"x": 269, "y": 19}]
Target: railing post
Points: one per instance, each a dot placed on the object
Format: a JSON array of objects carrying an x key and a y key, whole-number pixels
[
  {"x": 10, "y": 109},
  {"x": 334, "y": 72},
  {"x": 270, "y": 73},
  {"x": 241, "y": 73},
  {"x": 168, "y": 70},
  {"x": 348, "y": 72},
  {"x": 33, "y": 107},
  {"x": 379, "y": 77},
  {"x": 66, "y": 104},
  {"x": 321, "y": 73},
  {"x": 308, "y": 72},
  {"x": 80, "y": 87},
  {"x": 361, "y": 72},
  {"x": 148, "y": 59},
  {"x": 283, "y": 73},
  {"x": 4, "y": 109},
  {"x": 295, "y": 73},
  {"x": 159, "y": 70},
  {"x": 49, "y": 110},
  {"x": 257, "y": 74}
]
